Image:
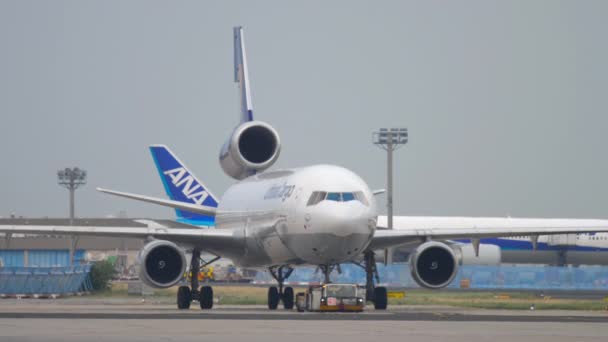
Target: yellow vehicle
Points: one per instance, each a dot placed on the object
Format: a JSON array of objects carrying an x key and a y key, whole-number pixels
[
  {"x": 205, "y": 274},
  {"x": 331, "y": 297}
]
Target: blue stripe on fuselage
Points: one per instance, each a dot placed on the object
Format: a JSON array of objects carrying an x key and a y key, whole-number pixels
[{"x": 508, "y": 244}]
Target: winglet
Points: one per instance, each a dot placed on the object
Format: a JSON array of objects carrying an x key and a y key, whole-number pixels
[{"x": 241, "y": 74}]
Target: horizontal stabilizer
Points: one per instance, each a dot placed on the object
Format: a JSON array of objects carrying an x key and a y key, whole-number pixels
[{"x": 193, "y": 208}]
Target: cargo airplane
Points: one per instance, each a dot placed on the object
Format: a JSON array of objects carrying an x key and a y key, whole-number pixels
[{"x": 320, "y": 215}]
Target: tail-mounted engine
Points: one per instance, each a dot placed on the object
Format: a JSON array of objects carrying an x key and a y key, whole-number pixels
[
  {"x": 161, "y": 264},
  {"x": 254, "y": 146}
]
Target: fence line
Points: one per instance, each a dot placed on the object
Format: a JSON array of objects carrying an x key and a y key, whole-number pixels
[
  {"x": 476, "y": 277},
  {"x": 44, "y": 281}
]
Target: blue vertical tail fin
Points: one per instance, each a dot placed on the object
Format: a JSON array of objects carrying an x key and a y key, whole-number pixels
[{"x": 182, "y": 185}]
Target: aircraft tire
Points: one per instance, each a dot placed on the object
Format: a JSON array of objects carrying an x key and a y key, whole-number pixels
[
  {"x": 206, "y": 297},
  {"x": 288, "y": 298},
  {"x": 273, "y": 298},
  {"x": 380, "y": 298},
  {"x": 184, "y": 297}
]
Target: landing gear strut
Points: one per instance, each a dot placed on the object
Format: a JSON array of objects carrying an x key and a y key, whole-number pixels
[
  {"x": 185, "y": 294},
  {"x": 371, "y": 274},
  {"x": 280, "y": 274},
  {"x": 327, "y": 269},
  {"x": 562, "y": 257},
  {"x": 377, "y": 295}
]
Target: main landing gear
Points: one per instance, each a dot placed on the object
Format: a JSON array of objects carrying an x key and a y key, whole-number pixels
[
  {"x": 377, "y": 295},
  {"x": 275, "y": 295},
  {"x": 185, "y": 294}
]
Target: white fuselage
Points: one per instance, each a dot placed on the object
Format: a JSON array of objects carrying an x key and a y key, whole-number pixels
[{"x": 280, "y": 226}]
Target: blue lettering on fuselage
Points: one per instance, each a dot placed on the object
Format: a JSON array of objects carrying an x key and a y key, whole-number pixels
[{"x": 282, "y": 192}]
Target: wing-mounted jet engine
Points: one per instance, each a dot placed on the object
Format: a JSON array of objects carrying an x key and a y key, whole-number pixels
[
  {"x": 161, "y": 264},
  {"x": 253, "y": 147},
  {"x": 434, "y": 264}
]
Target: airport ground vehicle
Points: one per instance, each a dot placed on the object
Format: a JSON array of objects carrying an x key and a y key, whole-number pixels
[
  {"x": 332, "y": 297},
  {"x": 204, "y": 275}
]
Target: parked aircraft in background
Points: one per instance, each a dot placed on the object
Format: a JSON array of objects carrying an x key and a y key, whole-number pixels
[
  {"x": 320, "y": 215},
  {"x": 560, "y": 249}
]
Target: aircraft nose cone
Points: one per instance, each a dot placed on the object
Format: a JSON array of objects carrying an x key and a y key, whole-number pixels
[
  {"x": 346, "y": 231},
  {"x": 335, "y": 232},
  {"x": 345, "y": 221}
]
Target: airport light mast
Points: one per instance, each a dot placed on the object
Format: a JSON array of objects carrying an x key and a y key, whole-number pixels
[
  {"x": 389, "y": 140},
  {"x": 72, "y": 179}
]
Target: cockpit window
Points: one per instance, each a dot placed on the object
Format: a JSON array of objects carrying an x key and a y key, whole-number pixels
[
  {"x": 348, "y": 196},
  {"x": 334, "y": 196},
  {"x": 318, "y": 196},
  {"x": 361, "y": 198}
]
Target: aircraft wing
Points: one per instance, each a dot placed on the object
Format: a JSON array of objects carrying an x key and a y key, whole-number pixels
[
  {"x": 208, "y": 239},
  {"x": 408, "y": 229}
]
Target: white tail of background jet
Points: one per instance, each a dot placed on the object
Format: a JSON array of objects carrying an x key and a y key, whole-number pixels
[{"x": 241, "y": 74}]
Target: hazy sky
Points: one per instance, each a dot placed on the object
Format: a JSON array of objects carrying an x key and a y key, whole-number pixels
[{"x": 506, "y": 102}]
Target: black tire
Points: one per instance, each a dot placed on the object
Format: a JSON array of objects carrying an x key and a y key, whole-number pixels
[
  {"x": 206, "y": 297},
  {"x": 273, "y": 298},
  {"x": 380, "y": 298},
  {"x": 288, "y": 299},
  {"x": 184, "y": 297}
]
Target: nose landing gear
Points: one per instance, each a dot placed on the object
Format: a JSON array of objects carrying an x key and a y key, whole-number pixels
[
  {"x": 327, "y": 269},
  {"x": 275, "y": 295}
]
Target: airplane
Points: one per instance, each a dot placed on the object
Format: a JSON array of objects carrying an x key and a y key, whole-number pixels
[
  {"x": 562, "y": 249},
  {"x": 319, "y": 215},
  {"x": 577, "y": 249},
  {"x": 559, "y": 250}
]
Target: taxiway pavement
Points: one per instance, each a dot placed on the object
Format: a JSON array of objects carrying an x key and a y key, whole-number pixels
[{"x": 79, "y": 319}]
